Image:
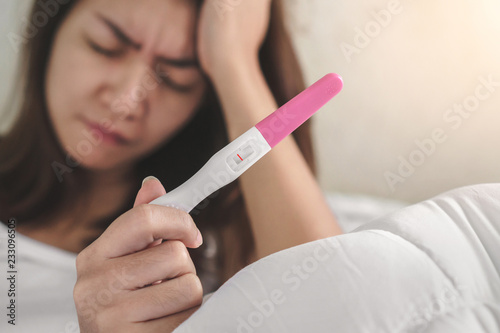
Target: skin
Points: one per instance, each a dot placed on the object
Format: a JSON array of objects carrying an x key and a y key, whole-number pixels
[
  {"x": 96, "y": 80},
  {"x": 115, "y": 264},
  {"x": 93, "y": 77},
  {"x": 83, "y": 84},
  {"x": 284, "y": 216}
]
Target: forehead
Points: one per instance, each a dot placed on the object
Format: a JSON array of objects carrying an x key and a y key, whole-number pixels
[{"x": 167, "y": 27}]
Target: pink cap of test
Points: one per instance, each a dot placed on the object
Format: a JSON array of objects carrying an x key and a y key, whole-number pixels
[{"x": 279, "y": 124}]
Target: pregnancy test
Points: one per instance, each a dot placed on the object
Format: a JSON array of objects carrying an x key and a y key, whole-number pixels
[{"x": 234, "y": 159}]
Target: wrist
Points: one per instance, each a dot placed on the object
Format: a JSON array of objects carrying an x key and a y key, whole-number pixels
[
  {"x": 244, "y": 95},
  {"x": 234, "y": 67}
]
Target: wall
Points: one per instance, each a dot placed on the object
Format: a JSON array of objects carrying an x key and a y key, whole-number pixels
[
  {"x": 12, "y": 13},
  {"x": 401, "y": 83},
  {"x": 401, "y": 86}
]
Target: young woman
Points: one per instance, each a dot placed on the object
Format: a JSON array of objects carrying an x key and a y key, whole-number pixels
[{"x": 117, "y": 90}]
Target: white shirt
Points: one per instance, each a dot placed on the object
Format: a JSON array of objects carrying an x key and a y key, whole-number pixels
[{"x": 45, "y": 279}]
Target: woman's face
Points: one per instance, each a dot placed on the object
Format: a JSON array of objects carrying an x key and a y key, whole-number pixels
[{"x": 123, "y": 78}]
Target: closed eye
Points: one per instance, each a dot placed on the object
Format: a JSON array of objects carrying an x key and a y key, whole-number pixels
[
  {"x": 110, "y": 53},
  {"x": 178, "y": 87}
]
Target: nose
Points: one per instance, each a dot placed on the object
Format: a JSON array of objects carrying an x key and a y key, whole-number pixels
[{"x": 132, "y": 88}]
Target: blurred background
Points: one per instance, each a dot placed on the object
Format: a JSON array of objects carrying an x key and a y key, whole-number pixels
[{"x": 420, "y": 110}]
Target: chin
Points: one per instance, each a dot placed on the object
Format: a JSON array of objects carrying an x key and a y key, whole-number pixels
[{"x": 100, "y": 161}]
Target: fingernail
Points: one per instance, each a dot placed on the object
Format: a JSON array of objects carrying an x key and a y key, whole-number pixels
[
  {"x": 148, "y": 178},
  {"x": 199, "y": 238}
]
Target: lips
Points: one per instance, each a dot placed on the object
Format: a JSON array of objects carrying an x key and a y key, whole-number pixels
[{"x": 105, "y": 135}]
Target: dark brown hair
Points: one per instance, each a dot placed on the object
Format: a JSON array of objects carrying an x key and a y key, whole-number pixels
[{"x": 31, "y": 192}]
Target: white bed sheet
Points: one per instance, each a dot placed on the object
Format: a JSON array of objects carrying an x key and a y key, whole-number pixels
[{"x": 430, "y": 267}]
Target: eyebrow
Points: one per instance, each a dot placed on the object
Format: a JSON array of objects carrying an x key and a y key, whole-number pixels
[{"x": 122, "y": 37}]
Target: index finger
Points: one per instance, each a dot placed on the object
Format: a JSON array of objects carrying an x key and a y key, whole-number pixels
[{"x": 137, "y": 228}]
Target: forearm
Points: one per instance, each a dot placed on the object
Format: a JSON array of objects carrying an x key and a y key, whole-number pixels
[{"x": 284, "y": 202}]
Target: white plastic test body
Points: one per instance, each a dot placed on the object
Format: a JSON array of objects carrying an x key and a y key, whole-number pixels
[
  {"x": 221, "y": 169},
  {"x": 239, "y": 155}
]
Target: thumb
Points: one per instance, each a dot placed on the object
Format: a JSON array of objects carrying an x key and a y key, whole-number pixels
[{"x": 150, "y": 190}]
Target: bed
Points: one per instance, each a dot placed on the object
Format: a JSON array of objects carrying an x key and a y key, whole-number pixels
[{"x": 428, "y": 267}]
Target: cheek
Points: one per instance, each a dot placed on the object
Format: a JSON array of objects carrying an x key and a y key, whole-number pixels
[
  {"x": 71, "y": 81},
  {"x": 64, "y": 93}
]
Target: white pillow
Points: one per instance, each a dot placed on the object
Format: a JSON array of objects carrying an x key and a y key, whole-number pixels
[{"x": 431, "y": 267}]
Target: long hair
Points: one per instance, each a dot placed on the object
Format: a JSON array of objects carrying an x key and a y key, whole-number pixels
[{"x": 32, "y": 192}]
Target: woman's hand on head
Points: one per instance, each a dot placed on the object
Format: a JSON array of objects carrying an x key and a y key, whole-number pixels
[
  {"x": 130, "y": 281},
  {"x": 231, "y": 31}
]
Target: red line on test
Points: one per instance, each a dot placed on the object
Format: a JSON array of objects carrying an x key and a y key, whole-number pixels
[{"x": 239, "y": 157}]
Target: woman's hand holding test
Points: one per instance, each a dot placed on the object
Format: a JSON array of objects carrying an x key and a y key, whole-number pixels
[{"x": 128, "y": 281}]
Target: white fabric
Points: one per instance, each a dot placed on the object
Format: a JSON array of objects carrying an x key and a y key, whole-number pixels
[
  {"x": 432, "y": 263},
  {"x": 46, "y": 275},
  {"x": 431, "y": 267},
  {"x": 44, "y": 292},
  {"x": 354, "y": 210}
]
